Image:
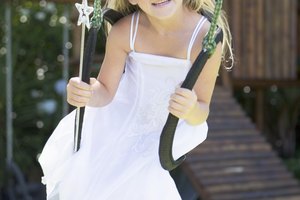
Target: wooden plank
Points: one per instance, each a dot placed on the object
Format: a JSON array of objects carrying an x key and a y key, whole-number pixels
[
  {"x": 236, "y": 27},
  {"x": 230, "y": 120},
  {"x": 193, "y": 157},
  {"x": 223, "y": 100},
  {"x": 241, "y": 179},
  {"x": 237, "y": 162},
  {"x": 253, "y": 195},
  {"x": 229, "y": 124},
  {"x": 244, "y": 39},
  {"x": 217, "y": 107},
  {"x": 243, "y": 36},
  {"x": 285, "y": 34},
  {"x": 292, "y": 197},
  {"x": 230, "y": 113},
  {"x": 260, "y": 23},
  {"x": 252, "y": 186},
  {"x": 232, "y": 171},
  {"x": 221, "y": 94},
  {"x": 276, "y": 29},
  {"x": 222, "y": 90},
  {"x": 268, "y": 39},
  {"x": 293, "y": 35},
  {"x": 234, "y": 133},
  {"x": 228, "y": 106},
  {"x": 237, "y": 139},
  {"x": 233, "y": 145},
  {"x": 249, "y": 38},
  {"x": 237, "y": 167},
  {"x": 224, "y": 104}
]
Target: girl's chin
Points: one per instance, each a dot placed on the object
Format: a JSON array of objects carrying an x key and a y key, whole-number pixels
[{"x": 164, "y": 10}]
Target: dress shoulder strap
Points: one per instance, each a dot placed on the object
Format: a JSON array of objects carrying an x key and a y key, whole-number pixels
[
  {"x": 194, "y": 36},
  {"x": 133, "y": 29}
]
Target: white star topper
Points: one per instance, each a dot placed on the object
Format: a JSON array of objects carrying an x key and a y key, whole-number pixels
[{"x": 84, "y": 12}]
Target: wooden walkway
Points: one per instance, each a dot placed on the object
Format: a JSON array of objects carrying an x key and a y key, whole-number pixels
[{"x": 236, "y": 162}]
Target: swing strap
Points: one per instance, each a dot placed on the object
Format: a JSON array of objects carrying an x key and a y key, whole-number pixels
[
  {"x": 111, "y": 16},
  {"x": 168, "y": 132},
  {"x": 213, "y": 37}
]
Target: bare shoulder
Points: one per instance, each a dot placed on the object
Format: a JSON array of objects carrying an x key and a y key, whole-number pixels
[
  {"x": 199, "y": 40},
  {"x": 197, "y": 47},
  {"x": 119, "y": 33},
  {"x": 205, "y": 27}
]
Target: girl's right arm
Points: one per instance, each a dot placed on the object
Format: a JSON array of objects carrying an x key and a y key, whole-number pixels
[{"x": 101, "y": 91}]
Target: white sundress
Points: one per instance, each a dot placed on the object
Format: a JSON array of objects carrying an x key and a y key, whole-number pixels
[{"x": 118, "y": 158}]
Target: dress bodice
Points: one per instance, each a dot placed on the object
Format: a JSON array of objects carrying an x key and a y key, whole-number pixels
[
  {"x": 159, "y": 76},
  {"x": 156, "y": 78}
]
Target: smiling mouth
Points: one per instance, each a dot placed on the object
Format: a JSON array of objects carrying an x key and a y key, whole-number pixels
[{"x": 161, "y": 3}]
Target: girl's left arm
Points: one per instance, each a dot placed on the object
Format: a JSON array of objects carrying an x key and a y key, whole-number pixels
[{"x": 193, "y": 106}]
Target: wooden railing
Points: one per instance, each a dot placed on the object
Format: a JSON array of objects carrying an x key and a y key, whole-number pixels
[{"x": 264, "y": 38}]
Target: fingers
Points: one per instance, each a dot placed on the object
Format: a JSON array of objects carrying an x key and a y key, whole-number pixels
[
  {"x": 186, "y": 93},
  {"x": 177, "y": 110},
  {"x": 79, "y": 88},
  {"x": 182, "y": 102},
  {"x": 93, "y": 81},
  {"x": 184, "y": 96},
  {"x": 76, "y": 82},
  {"x": 77, "y": 101},
  {"x": 78, "y": 92},
  {"x": 180, "y": 110}
]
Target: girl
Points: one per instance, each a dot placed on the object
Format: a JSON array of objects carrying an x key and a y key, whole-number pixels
[{"x": 148, "y": 55}]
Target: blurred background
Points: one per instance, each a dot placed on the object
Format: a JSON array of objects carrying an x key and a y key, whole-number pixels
[{"x": 253, "y": 147}]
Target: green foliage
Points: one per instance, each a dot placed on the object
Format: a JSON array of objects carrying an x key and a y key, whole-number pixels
[
  {"x": 293, "y": 164},
  {"x": 37, "y": 48},
  {"x": 277, "y": 101}
]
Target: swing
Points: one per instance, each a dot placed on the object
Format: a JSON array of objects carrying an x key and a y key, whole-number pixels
[{"x": 213, "y": 37}]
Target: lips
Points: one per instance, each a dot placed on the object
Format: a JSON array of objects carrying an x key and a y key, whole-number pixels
[{"x": 161, "y": 3}]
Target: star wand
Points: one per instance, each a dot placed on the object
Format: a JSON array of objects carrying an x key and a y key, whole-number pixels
[
  {"x": 88, "y": 50},
  {"x": 86, "y": 55}
]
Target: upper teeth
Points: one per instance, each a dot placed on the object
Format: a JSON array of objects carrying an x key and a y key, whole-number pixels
[{"x": 160, "y": 2}]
